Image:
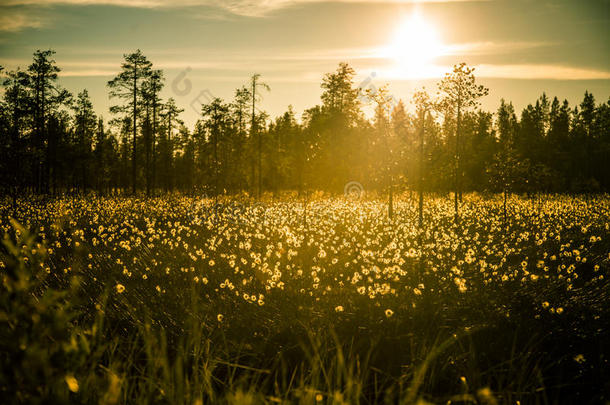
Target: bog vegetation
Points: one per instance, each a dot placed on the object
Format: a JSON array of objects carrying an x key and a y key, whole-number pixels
[{"x": 190, "y": 300}]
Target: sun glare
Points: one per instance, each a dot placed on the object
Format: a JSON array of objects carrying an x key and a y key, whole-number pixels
[{"x": 414, "y": 48}]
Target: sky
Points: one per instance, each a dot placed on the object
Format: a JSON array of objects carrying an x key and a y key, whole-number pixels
[{"x": 208, "y": 48}]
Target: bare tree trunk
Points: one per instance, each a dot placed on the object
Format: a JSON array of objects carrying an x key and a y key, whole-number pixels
[
  {"x": 215, "y": 161},
  {"x": 133, "y": 153},
  {"x": 260, "y": 141},
  {"x": 421, "y": 171},
  {"x": 154, "y": 141},
  {"x": 148, "y": 140},
  {"x": 260, "y": 164},
  {"x": 170, "y": 157},
  {"x": 457, "y": 191}
]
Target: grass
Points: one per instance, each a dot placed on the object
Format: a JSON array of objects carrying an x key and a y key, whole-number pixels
[{"x": 176, "y": 300}]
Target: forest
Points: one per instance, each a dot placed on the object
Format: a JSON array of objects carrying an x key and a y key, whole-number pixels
[{"x": 53, "y": 142}]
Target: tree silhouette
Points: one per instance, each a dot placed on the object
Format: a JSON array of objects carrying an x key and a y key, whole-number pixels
[
  {"x": 46, "y": 96},
  {"x": 382, "y": 100},
  {"x": 51, "y": 143},
  {"x": 214, "y": 115},
  {"x": 338, "y": 121},
  {"x": 151, "y": 89},
  {"x": 127, "y": 85},
  {"x": 255, "y": 83},
  {"x": 15, "y": 109},
  {"x": 423, "y": 107},
  {"x": 86, "y": 123},
  {"x": 459, "y": 93},
  {"x": 170, "y": 114}
]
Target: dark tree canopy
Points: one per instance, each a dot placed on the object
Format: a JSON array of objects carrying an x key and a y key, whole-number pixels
[{"x": 52, "y": 143}]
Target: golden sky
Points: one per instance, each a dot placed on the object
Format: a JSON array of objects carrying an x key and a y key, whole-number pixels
[{"x": 520, "y": 48}]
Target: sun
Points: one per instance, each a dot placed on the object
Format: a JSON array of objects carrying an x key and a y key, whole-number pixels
[{"x": 414, "y": 47}]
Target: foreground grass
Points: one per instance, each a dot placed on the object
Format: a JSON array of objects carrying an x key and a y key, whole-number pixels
[{"x": 181, "y": 300}]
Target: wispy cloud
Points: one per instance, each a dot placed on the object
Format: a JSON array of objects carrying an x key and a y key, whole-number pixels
[
  {"x": 15, "y": 21},
  {"x": 87, "y": 73},
  {"x": 257, "y": 8},
  {"x": 312, "y": 62},
  {"x": 251, "y": 8},
  {"x": 532, "y": 71},
  {"x": 541, "y": 71},
  {"x": 17, "y": 15},
  {"x": 499, "y": 71},
  {"x": 495, "y": 48}
]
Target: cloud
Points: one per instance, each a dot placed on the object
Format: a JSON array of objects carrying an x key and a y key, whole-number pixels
[
  {"x": 313, "y": 62},
  {"x": 491, "y": 71},
  {"x": 87, "y": 73},
  {"x": 17, "y": 15},
  {"x": 257, "y": 8},
  {"x": 15, "y": 21},
  {"x": 250, "y": 8},
  {"x": 495, "y": 48},
  {"x": 541, "y": 71}
]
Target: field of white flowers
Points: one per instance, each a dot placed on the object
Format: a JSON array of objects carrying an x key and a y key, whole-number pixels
[{"x": 193, "y": 300}]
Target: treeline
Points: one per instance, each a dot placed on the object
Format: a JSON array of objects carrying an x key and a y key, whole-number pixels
[{"x": 53, "y": 142}]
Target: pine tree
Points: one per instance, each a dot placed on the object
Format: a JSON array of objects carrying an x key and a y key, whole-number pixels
[
  {"x": 255, "y": 83},
  {"x": 46, "y": 97},
  {"x": 214, "y": 115},
  {"x": 459, "y": 94},
  {"x": 85, "y": 127},
  {"x": 170, "y": 115},
  {"x": 151, "y": 89},
  {"x": 423, "y": 106},
  {"x": 15, "y": 109},
  {"x": 382, "y": 100},
  {"x": 127, "y": 85}
]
